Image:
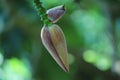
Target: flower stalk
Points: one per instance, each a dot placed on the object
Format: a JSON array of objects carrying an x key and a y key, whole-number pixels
[{"x": 42, "y": 12}]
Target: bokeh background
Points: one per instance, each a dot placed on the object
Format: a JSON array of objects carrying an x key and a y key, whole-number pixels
[{"x": 92, "y": 30}]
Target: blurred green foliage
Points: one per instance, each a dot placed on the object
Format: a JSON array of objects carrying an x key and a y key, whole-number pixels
[{"x": 92, "y": 30}]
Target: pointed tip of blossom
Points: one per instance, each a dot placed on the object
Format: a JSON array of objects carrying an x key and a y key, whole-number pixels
[{"x": 67, "y": 69}]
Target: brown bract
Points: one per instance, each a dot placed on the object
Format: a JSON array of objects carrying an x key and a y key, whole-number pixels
[
  {"x": 54, "y": 14},
  {"x": 54, "y": 41}
]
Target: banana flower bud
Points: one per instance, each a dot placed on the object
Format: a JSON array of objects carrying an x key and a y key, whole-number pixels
[
  {"x": 54, "y": 14},
  {"x": 54, "y": 41}
]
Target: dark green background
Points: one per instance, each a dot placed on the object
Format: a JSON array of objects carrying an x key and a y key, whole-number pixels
[{"x": 92, "y": 30}]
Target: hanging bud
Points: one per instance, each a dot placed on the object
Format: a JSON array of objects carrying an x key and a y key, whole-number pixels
[
  {"x": 54, "y": 14},
  {"x": 54, "y": 41}
]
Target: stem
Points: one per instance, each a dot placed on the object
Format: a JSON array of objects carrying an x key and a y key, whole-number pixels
[{"x": 42, "y": 12}]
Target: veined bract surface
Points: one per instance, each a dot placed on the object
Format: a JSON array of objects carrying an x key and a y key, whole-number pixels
[{"x": 54, "y": 40}]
